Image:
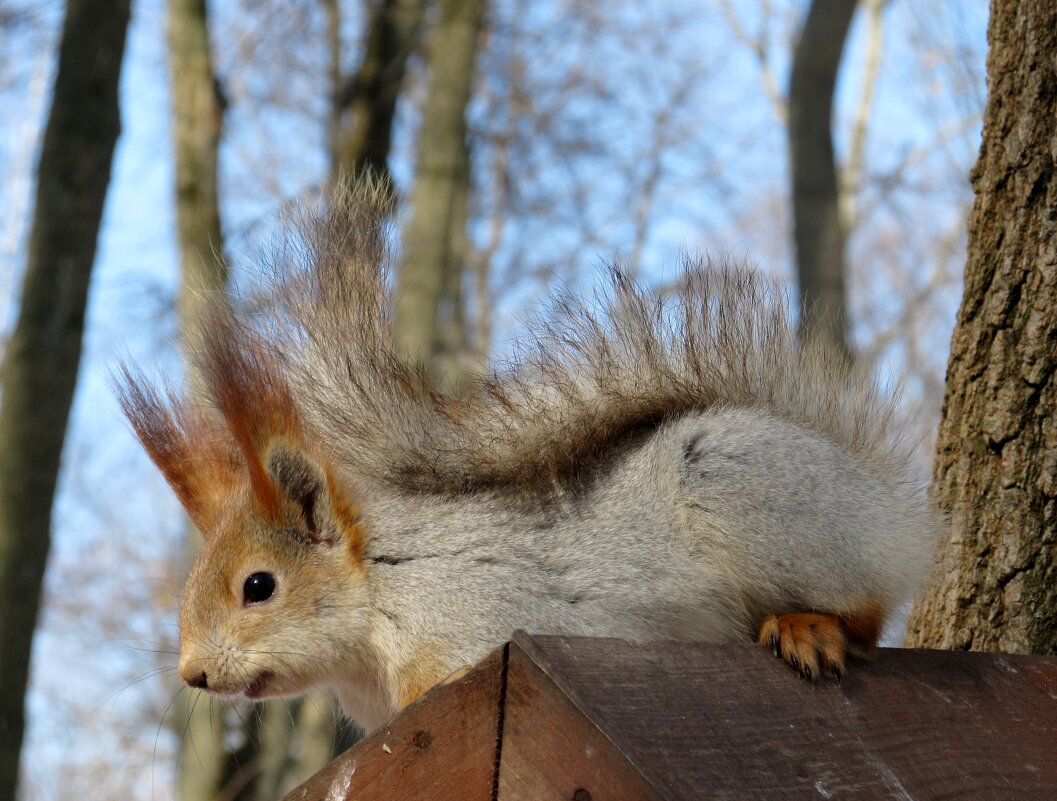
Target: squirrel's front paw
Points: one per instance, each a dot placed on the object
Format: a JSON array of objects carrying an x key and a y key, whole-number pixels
[{"x": 812, "y": 643}]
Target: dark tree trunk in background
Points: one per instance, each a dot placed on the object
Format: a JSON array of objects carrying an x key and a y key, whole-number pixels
[
  {"x": 364, "y": 104},
  {"x": 429, "y": 324},
  {"x": 39, "y": 371},
  {"x": 197, "y": 114},
  {"x": 816, "y": 212},
  {"x": 996, "y": 461}
]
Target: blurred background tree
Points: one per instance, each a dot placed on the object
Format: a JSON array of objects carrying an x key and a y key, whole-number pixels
[
  {"x": 364, "y": 103},
  {"x": 527, "y": 143},
  {"x": 429, "y": 324},
  {"x": 818, "y": 230},
  {"x": 43, "y": 353},
  {"x": 197, "y": 115}
]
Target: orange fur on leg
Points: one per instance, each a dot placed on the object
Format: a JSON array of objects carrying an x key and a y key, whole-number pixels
[
  {"x": 420, "y": 675},
  {"x": 863, "y": 630},
  {"x": 815, "y": 643}
]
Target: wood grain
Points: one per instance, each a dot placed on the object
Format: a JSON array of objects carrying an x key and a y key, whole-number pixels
[
  {"x": 585, "y": 719},
  {"x": 731, "y": 722},
  {"x": 550, "y": 750}
]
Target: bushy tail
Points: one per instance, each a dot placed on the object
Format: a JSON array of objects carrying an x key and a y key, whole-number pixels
[{"x": 595, "y": 371}]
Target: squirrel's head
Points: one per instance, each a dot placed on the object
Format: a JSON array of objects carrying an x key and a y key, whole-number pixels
[
  {"x": 280, "y": 582},
  {"x": 280, "y": 576}
]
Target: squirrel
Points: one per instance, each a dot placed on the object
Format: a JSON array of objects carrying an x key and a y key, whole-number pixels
[{"x": 686, "y": 469}]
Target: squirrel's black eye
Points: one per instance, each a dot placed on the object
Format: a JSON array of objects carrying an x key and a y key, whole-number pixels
[{"x": 258, "y": 587}]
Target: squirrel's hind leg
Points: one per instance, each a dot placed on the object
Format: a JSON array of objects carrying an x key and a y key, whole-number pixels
[{"x": 816, "y": 643}]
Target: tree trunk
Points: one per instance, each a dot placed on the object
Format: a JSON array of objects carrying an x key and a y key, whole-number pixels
[
  {"x": 364, "y": 105},
  {"x": 285, "y": 743},
  {"x": 39, "y": 371},
  {"x": 197, "y": 113},
  {"x": 428, "y": 324},
  {"x": 198, "y": 109},
  {"x": 816, "y": 209},
  {"x": 996, "y": 461}
]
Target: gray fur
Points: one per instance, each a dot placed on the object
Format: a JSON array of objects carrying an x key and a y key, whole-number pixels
[{"x": 715, "y": 521}]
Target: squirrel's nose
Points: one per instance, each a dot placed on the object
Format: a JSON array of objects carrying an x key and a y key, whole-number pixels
[{"x": 194, "y": 677}]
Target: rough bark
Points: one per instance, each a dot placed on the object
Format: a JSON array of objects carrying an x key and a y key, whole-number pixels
[
  {"x": 818, "y": 233},
  {"x": 996, "y": 461},
  {"x": 197, "y": 113},
  {"x": 39, "y": 371},
  {"x": 364, "y": 104},
  {"x": 428, "y": 324}
]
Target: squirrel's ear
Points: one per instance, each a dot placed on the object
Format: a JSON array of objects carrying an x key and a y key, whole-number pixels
[
  {"x": 191, "y": 446},
  {"x": 304, "y": 486},
  {"x": 248, "y": 385},
  {"x": 327, "y": 513}
]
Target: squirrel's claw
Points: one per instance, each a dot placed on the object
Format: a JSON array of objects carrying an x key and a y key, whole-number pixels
[
  {"x": 838, "y": 674},
  {"x": 812, "y": 643}
]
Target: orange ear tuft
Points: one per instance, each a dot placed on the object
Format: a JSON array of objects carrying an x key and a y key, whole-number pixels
[
  {"x": 190, "y": 446},
  {"x": 247, "y": 384}
]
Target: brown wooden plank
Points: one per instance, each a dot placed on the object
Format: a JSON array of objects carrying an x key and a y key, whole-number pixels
[
  {"x": 731, "y": 722},
  {"x": 441, "y": 748},
  {"x": 551, "y": 752}
]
